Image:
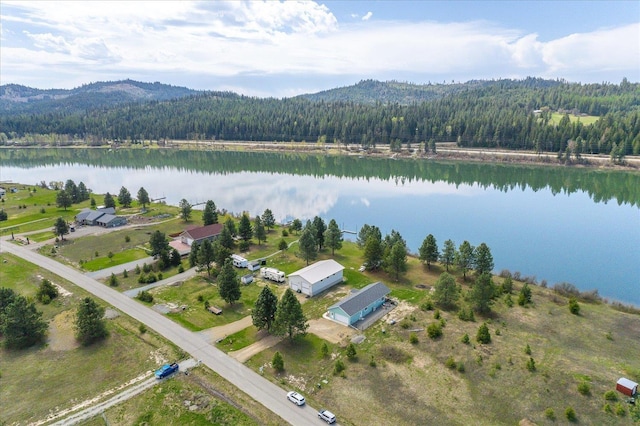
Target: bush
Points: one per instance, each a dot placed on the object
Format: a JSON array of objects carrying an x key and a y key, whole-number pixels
[
  {"x": 434, "y": 330},
  {"x": 531, "y": 365},
  {"x": 244, "y": 246},
  {"x": 137, "y": 270},
  {"x": 550, "y": 414},
  {"x": 607, "y": 408},
  {"x": 620, "y": 410},
  {"x": 146, "y": 268},
  {"x": 465, "y": 339},
  {"x": 145, "y": 296},
  {"x": 527, "y": 349},
  {"x": 413, "y": 338},
  {"x": 338, "y": 367},
  {"x": 127, "y": 239},
  {"x": 113, "y": 280},
  {"x": 483, "y": 335},
  {"x": 524, "y": 298},
  {"x": 351, "y": 352},
  {"x": 180, "y": 269},
  {"x": 611, "y": 395},
  {"x": 142, "y": 328},
  {"x": 324, "y": 350},
  {"x": 460, "y": 367},
  {"x": 200, "y": 298},
  {"x": 436, "y": 314},
  {"x": 46, "y": 292},
  {"x": 372, "y": 362},
  {"x": 427, "y": 305},
  {"x": 584, "y": 388},
  {"x": 125, "y": 274},
  {"x": 285, "y": 233},
  {"x": 450, "y": 363},
  {"x": 277, "y": 362},
  {"x": 466, "y": 314},
  {"x": 574, "y": 306},
  {"x": 405, "y": 324},
  {"x": 570, "y": 414}
]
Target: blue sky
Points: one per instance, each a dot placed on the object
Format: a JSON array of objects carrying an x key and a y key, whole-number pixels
[{"x": 287, "y": 48}]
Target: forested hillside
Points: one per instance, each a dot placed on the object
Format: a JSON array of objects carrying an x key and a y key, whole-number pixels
[
  {"x": 17, "y": 99},
  {"x": 504, "y": 113}
]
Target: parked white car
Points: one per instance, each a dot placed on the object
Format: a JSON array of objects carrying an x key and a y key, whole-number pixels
[
  {"x": 327, "y": 416},
  {"x": 296, "y": 398}
]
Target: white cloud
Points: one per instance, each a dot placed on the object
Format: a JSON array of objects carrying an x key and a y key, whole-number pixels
[
  {"x": 86, "y": 41},
  {"x": 367, "y": 16}
]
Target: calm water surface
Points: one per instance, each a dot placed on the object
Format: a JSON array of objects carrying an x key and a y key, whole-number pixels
[{"x": 557, "y": 234}]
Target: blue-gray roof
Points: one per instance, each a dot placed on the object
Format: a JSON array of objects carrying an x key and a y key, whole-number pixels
[
  {"x": 356, "y": 302},
  {"x": 94, "y": 215}
]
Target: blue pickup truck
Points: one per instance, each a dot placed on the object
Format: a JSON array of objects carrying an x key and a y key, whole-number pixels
[{"x": 167, "y": 370}]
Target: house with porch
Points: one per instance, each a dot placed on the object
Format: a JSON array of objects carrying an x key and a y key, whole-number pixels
[
  {"x": 359, "y": 304},
  {"x": 201, "y": 233}
]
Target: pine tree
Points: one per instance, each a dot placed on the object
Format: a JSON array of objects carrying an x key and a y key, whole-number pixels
[
  {"x": 483, "y": 259},
  {"x": 483, "y": 335},
  {"x": 319, "y": 228},
  {"x": 333, "y": 236},
  {"x": 244, "y": 228},
  {"x": 481, "y": 293},
  {"x": 63, "y": 199},
  {"x": 228, "y": 283},
  {"x": 268, "y": 220},
  {"x": 396, "y": 261},
  {"x": 185, "y": 209},
  {"x": 446, "y": 291},
  {"x": 307, "y": 245},
  {"x": 259, "y": 231},
  {"x": 143, "y": 197},
  {"x": 210, "y": 213},
  {"x": 448, "y": 255},
  {"x": 60, "y": 228},
  {"x": 124, "y": 198},
  {"x": 90, "y": 325},
  {"x": 465, "y": 258},
  {"x": 21, "y": 324},
  {"x": 264, "y": 311},
  {"x": 429, "y": 250},
  {"x": 109, "y": 202},
  {"x": 205, "y": 256},
  {"x": 290, "y": 319}
]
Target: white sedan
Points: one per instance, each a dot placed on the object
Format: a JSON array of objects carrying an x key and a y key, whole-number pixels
[{"x": 296, "y": 398}]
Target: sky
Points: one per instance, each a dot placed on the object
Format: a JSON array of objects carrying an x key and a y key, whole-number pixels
[{"x": 282, "y": 49}]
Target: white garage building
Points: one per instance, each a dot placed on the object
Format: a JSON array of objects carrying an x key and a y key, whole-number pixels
[{"x": 316, "y": 278}]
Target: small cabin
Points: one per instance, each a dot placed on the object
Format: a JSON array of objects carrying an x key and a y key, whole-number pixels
[{"x": 214, "y": 310}]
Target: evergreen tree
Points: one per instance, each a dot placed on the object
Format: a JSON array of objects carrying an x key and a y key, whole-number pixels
[
  {"x": 333, "y": 236},
  {"x": 373, "y": 253},
  {"x": 71, "y": 189},
  {"x": 245, "y": 231},
  {"x": 307, "y": 245},
  {"x": 365, "y": 232},
  {"x": 225, "y": 237},
  {"x": 290, "y": 319},
  {"x": 109, "y": 202},
  {"x": 448, "y": 255},
  {"x": 230, "y": 224},
  {"x": 483, "y": 259},
  {"x": 268, "y": 220},
  {"x": 124, "y": 198},
  {"x": 83, "y": 192},
  {"x": 210, "y": 213},
  {"x": 90, "y": 325},
  {"x": 220, "y": 252},
  {"x": 429, "y": 250},
  {"x": 21, "y": 324},
  {"x": 319, "y": 227},
  {"x": 282, "y": 245},
  {"x": 185, "y": 209},
  {"x": 446, "y": 291},
  {"x": 143, "y": 197},
  {"x": 483, "y": 335},
  {"x": 465, "y": 258},
  {"x": 60, "y": 228},
  {"x": 205, "y": 256},
  {"x": 176, "y": 259},
  {"x": 259, "y": 231},
  {"x": 396, "y": 261},
  {"x": 158, "y": 243},
  {"x": 264, "y": 311},
  {"x": 296, "y": 226},
  {"x": 481, "y": 293},
  {"x": 277, "y": 362},
  {"x": 193, "y": 254},
  {"x": 228, "y": 283},
  {"x": 46, "y": 292},
  {"x": 63, "y": 199}
]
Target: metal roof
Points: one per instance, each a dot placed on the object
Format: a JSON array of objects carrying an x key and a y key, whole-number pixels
[
  {"x": 204, "y": 231},
  {"x": 319, "y": 270},
  {"x": 356, "y": 302}
]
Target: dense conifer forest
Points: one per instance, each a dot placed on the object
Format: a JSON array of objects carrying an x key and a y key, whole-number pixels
[{"x": 509, "y": 114}]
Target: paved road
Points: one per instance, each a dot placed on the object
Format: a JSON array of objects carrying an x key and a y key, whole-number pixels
[{"x": 250, "y": 382}]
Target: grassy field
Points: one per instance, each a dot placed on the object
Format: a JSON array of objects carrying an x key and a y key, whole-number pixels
[
  {"x": 585, "y": 120},
  {"x": 59, "y": 374}
]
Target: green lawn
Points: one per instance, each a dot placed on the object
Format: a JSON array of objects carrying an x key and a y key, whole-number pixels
[
  {"x": 118, "y": 258},
  {"x": 586, "y": 120},
  {"x": 239, "y": 340}
]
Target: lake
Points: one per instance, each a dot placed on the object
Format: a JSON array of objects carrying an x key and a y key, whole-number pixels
[{"x": 560, "y": 224}]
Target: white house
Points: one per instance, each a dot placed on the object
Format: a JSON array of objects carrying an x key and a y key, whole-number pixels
[
  {"x": 316, "y": 278},
  {"x": 201, "y": 233},
  {"x": 359, "y": 304}
]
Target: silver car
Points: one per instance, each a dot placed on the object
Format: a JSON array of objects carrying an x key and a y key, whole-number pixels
[
  {"x": 296, "y": 398},
  {"x": 327, "y": 416}
]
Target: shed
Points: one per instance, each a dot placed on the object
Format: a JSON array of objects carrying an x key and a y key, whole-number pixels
[
  {"x": 358, "y": 305},
  {"x": 316, "y": 277},
  {"x": 246, "y": 279},
  {"x": 254, "y": 265},
  {"x": 111, "y": 221},
  {"x": 214, "y": 310},
  {"x": 80, "y": 217},
  {"x": 627, "y": 387},
  {"x": 92, "y": 217}
]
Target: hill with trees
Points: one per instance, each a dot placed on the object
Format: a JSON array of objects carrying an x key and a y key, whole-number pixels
[{"x": 508, "y": 114}]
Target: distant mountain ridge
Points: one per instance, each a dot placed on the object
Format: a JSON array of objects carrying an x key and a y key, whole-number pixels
[{"x": 17, "y": 99}]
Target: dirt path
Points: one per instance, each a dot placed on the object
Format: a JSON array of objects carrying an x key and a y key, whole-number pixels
[
  {"x": 245, "y": 354},
  {"x": 212, "y": 335},
  {"x": 329, "y": 330}
]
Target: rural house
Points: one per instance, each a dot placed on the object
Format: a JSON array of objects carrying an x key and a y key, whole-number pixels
[
  {"x": 359, "y": 304},
  {"x": 90, "y": 217},
  {"x": 316, "y": 277},
  {"x": 111, "y": 221},
  {"x": 198, "y": 235}
]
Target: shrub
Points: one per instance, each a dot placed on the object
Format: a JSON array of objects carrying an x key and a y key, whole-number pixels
[
  {"x": 574, "y": 306},
  {"x": 460, "y": 367},
  {"x": 145, "y": 296},
  {"x": 125, "y": 274},
  {"x": 550, "y": 414},
  {"x": 180, "y": 269},
  {"x": 42, "y": 210},
  {"x": 434, "y": 330},
  {"x": 113, "y": 280},
  {"x": 436, "y": 314},
  {"x": 607, "y": 408},
  {"x": 324, "y": 350},
  {"x": 405, "y": 324},
  {"x": 46, "y": 292},
  {"x": 351, "y": 352},
  {"x": 524, "y": 298},
  {"x": 620, "y": 410},
  {"x": 277, "y": 362},
  {"x": 160, "y": 276},
  {"x": 570, "y": 414},
  {"x": 244, "y": 246},
  {"x": 372, "y": 362},
  {"x": 611, "y": 395},
  {"x": 584, "y": 388},
  {"x": 531, "y": 365},
  {"x": 285, "y": 233},
  {"x": 142, "y": 328},
  {"x": 146, "y": 268},
  {"x": 338, "y": 367},
  {"x": 450, "y": 363},
  {"x": 483, "y": 335},
  {"x": 413, "y": 338},
  {"x": 127, "y": 239},
  {"x": 465, "y": 339},
  {"x": 137, "y": 270},
  {"x": 427, "y": 305},
  {"x": 466, "y": 314},
  {"x": 527, "y": 349}
]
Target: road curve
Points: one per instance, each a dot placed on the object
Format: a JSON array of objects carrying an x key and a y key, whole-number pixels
[{"x": 250, "y": 382}]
